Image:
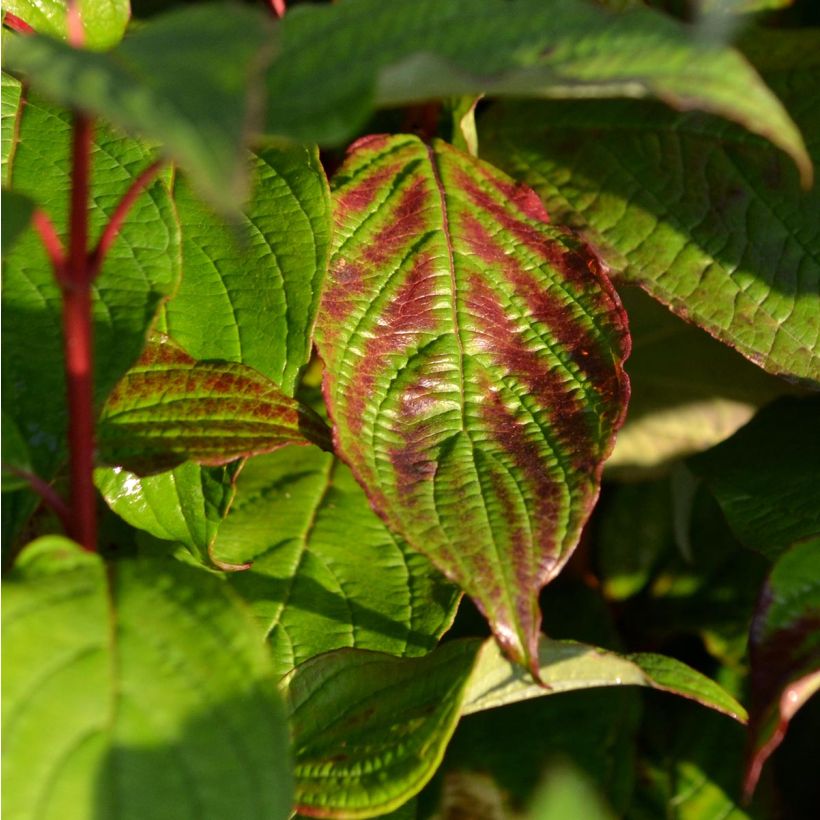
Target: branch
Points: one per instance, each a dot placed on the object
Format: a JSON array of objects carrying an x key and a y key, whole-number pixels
[
  {"x": 112, "y": 229},
  {"x": 278, "y": 7},
  {"x": 51, "y": 241},
  {"x": 47, "y": 493}
]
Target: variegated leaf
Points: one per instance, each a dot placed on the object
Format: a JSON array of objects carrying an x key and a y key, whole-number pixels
[{"x": 474, "y": 369}]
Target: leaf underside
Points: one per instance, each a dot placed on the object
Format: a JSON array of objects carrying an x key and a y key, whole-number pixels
[
  {"x": 169, "y": 408},
  {"x": 473, "y": 369}
]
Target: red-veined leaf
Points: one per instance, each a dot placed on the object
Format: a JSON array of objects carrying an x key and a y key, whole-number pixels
[
  {"x": 474, "y": 369},
  {"x": 170, "y": 408}
]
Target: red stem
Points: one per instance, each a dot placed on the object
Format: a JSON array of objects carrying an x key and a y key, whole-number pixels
[
  {"x": 15, "y": 23},
  {"x": 78, "y": 334},
  {"x": 51, "y": 241},
  {"x": 278, "y": 7},
  {"x": 112, "y": 229},
  {"x": 46, "y": 492},
  {"x": 74, "y": 24}
]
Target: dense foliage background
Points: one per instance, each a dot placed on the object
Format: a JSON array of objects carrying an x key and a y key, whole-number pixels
[{"x": 341, "y": 379}]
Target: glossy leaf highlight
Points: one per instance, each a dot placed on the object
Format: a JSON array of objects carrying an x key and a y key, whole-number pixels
[
  {"x": 135, "y": 689},
  {"x": 324, "y": 570},
  {"x": 473, "y": 369},
  {"x": 169, "y": 408}
]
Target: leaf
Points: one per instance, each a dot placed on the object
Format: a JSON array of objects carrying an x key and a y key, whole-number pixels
[
  {"x": 688, "y": 391},
  {"x": 164, "y": 83},
  {"x": 474, "y": 370},
  {"x": 336, "y": 61},
  {"x": 370, "y": 730},
  {"x": 9, "y": 115},
  {"x": 251, "y": 289},
  {"x": 566, "y": 792},
  {"x": 141, "y": 268},
  {"x": 186, "y": 504},
  {"x": 137, "y": 689},
  {"x": 103, "y": 21},
  {"x": 170, "y": 408},
  {"x": 784, "y": 649},
  {"x": 705, "y": 218},
  {"x": 18, "y": 210},
  {"x": 767, "y": 476},
  {"x": 15, "y": 456},
  {"x": 325, "y": 572}
]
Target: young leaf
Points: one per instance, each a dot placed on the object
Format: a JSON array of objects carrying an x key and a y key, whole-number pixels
[
  {"x": 141, "y": 268},
  {"x": 135, "y": 689},
  {"x": 325, "y": 572},
  {"x": 169, "y": 408},
  {"x": 251, "y": 289},
  {"x": 706, "y": 219},
  {"x": 341, "y": 703},
  {"x": 103, "y": 21},
  {"x": 474, "y": 369},
  {"x": 9, "y": 114},
  {"x": 190, "y": 78},
  {"x": 336, "y": 60},
  {"x": 186, "y": 504},
  {"x": 766, "y": 477},
  {"x": 784, "y": 649}
]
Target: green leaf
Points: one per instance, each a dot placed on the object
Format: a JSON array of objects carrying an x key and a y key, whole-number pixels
[
  {"x": 170, "y": 408},
  {"x": 141, "y": 268},
  {"x": 688, "y": 391},
  {"x": 474, "y": 369},
  {"x": 567, "y": 792},
  {"x": 186, "y": 504},
  {"x": 705, "y": 218},
  {"x": 370, "y": 730},
  {"x": 17, "y": 212},
  {"x": 337, "y": 60},
  {"x": 15, "y": 456},
  {"x": 9, "y": 117},
  {"x": 251, "y": 289},
  {"x": 137, "y": 689},
  {"x": 325, "y": 572},
  {"x": 568, "y": 665},
  {"x": 767, "y": 476},
  {"x": 103, "y": 21},
  {"x": 784, "y": 648},
  {"x": 165, "y": 82}
]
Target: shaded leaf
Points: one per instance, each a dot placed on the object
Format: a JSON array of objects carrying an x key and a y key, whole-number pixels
[
  {"x": 325, "y": 572},
  {"x": 170, "y": 408},
  {"x": 163, "y": 82},
  {"x": 474, "y": 369},
  {"x": 17, "y": 212},
  {"x": 186, "y": 504},
  {"x": 784, "y": 648},
  {"x": 705, "y": 218},
  {"x": 103, "y": 21},
  {"x": 251, "y": 289},
  {"x": 688, "y": 391},
  {"x": 767, "y": 476},
  {"x": 141, "y": 268},
  {"x": 370, "y": 730},
  {"x": 337, "y": 60},
  {"x": 15, "y": 456},
  {"x": 132, "y": 690},
  {"x": 567, "y": 792}
]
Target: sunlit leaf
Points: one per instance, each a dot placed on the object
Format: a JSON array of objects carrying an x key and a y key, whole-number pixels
[
  {"x": 170, "y": 408},
  {"x": 190, "y": 78},
  {"x": 9, "y": 112},
  {"x": 474, "y": 369},
  {"x": 324, "y": 571},
  {"x": 370, "y": 730},
  {"x": 337, "y": 60},
  {"x": 135, "y": 689},
  {"x": 103, "y": 21},
  {"x": 705, "y": 218}
]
